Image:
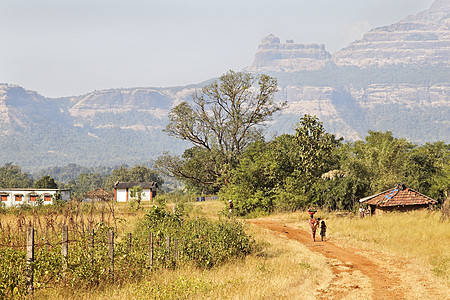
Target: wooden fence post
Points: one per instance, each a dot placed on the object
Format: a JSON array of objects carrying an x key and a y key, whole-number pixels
[
  {"x": 92, "y": 246},
  {"x": 175, "y": 249},
  {"x": 30, "y": 259},
  {"x": 150, "y": 249},
  {"x": 129, "y": 242},
  {"x": 168, "y": 246},
  {"x": 65, "y": 245},
  {"x": 111, "y": 252}
]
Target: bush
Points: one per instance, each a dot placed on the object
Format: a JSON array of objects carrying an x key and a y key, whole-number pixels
[
  {"x": 201, "y": 242},
  {"x": 206, "y": 243},
  {"x": 12, "y": 275}
]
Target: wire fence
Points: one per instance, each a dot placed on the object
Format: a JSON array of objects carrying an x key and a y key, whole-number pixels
[{"x": 97, "y": 250}]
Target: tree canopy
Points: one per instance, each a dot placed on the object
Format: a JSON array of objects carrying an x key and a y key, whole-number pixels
[
  {"x": 46, "y": 182},
  {"x": 313, "y": 168},
  {"x": 221, "y": 122},
  {"x": 11, "y": 176}
]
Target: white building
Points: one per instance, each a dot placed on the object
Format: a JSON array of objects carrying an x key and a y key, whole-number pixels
[
  {"x": 122, "y": 190},
  {"x": 17, "y": 196}
]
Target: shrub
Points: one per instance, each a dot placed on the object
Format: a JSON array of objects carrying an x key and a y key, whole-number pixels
[{"x": 206, "y": 243}]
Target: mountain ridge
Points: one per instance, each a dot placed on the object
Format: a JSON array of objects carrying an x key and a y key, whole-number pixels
[{"x": 401, "y": 85}]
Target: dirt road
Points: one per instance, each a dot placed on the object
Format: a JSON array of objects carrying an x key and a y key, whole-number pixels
[{"x": 383, "y": 283}]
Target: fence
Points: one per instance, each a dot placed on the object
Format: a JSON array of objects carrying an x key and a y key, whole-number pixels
[
  {"x": 64, "y": 249},
  {"x": 171, "y": 252}
]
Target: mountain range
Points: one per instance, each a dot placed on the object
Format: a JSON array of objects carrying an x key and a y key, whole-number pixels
[{"x": 395, "y": 78}]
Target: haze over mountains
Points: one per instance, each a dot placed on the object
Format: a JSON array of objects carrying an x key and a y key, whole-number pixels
[{"x": 395, "y": 78}]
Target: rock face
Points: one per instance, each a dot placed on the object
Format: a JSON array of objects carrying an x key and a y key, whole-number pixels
[
  {"x": 107, "y": 127},
  {"x": 288, "y": 57},
  {"x": 420, "y": 39},
  {"x": 396, "y": 78},
  {"x": 22, "y": 110}
]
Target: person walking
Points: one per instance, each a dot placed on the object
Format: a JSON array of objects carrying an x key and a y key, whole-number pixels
[
  {"x": 323, "y": 230},
  {"x": 313, "y": 225}
]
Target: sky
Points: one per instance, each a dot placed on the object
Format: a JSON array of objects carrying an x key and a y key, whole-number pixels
[{"x": 72, "y": 47}]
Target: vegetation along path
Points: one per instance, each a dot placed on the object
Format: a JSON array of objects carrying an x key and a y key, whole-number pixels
[{"x": 384, "y": 283}]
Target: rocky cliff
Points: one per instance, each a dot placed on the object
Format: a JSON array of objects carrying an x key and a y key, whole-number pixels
[
  {"x": 274, "y": 56},
  {"x": 420, "y": 39},
  {"x": 395, "y": 78}
]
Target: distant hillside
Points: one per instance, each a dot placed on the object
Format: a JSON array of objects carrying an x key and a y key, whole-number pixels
[{"x": 395, "y": 78}]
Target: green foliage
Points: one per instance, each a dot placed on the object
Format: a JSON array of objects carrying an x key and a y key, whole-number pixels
[
  {"x": 280, "y": 174},
  {"x": 136, "y": 197},
  {"x": 198, "y": 168},
  {"x": 313, "y": 168},
  {"x": 137, "y": 173},
  {"x": 428, "y": 170},
  {"x": 221, "y": 123},
  {"x": 204, "y": 242},
  {"x": 12, "y": 273},
  {"x": 11, "y": 176},
  {"x": 46, "y": 182}
]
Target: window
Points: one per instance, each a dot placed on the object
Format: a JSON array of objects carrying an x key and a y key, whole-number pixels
[
  {"x": 4, "y": 197},
  {"x": 47, "y": 198},
  {"x": 18, "y": 197},
  {"x": 33, "y": 197}
]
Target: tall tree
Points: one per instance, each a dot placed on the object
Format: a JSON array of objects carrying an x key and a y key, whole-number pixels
[
  {"x": 282, "y": 173},
  {"x": 315, "y": 148},
  {"x": 385, "y": 157},
  {"x": 223, "y": 119},
  {"x": 428, "y": 170},
  {"x": 11, "y": 176},
  {"x": 135, "y": 174},
  {"x": 46, "y": 182}
]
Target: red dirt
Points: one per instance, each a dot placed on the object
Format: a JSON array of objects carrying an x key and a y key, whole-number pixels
[{"x": 385, "y": 284}]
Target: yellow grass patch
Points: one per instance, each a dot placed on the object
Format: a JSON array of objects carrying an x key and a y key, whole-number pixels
[
  {"x": 417, "y": 241},
  {"x": 283, "y": 269}
]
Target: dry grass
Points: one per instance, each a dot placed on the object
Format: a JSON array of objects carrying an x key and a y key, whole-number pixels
[
  {"x": 281, "y": 269},
  {"x": 416, "y": 235},
  {"x": 284, "y": 269},
  {"x": 416, "y": 245},
  {"x": 419, "y": 234}
]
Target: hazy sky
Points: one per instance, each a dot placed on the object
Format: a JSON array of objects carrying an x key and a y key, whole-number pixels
[{"x": 72, "y": 47}]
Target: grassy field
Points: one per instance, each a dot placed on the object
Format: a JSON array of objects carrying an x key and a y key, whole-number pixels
[
  {"x": 280, "y": 268},
  {"x": 421, "y": 235}
]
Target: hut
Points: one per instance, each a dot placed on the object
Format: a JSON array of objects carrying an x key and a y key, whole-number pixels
[
  {"x": 99, "y": 194},
  {"x": 122, "y": 190},
  {"x": 400, "y": 198}
]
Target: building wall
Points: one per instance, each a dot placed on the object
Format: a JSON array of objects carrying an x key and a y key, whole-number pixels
[
  {"x": 406, "y": 208},
  {"x": 26, "y": 196},
  {"x": 121, "y": 195}
]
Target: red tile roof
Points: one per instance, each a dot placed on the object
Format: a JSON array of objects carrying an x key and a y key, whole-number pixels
[{"x": 398, "y": 197}]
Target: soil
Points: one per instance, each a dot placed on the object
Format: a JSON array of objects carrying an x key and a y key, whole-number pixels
[{"x": 352, "y": 270}]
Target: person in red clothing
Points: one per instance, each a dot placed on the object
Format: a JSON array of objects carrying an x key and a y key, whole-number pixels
[{"x": 312, "y": 224}]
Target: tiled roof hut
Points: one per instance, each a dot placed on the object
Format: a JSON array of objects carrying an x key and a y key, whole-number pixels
[{"x": 399, "y": 198}]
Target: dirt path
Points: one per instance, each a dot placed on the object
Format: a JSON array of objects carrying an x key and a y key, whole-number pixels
[{"x": 343, "y": 262}]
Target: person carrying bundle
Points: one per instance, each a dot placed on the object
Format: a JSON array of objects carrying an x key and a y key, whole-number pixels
[{"x": 312, "y": 223}]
